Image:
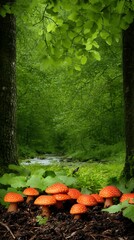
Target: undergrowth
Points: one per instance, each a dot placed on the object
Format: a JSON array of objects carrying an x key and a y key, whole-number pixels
[{"x": 88, "y": 178}]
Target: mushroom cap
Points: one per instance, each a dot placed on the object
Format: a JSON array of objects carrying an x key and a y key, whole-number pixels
[
  {"x": 74, "y": 193},
  {"x": 45, "y": 200},
  {"x": 98, "y": 198},
  {"x": 109, "y": 192},
  {"x": 30, "y": 192},
  {"x": 127, "y": 196},
  {"x": 78, "y": 208},
  {"x": 57, "y": 188},
  {"x": 61, "y": 196},
  {"x": 87, "y": 200},
  {"x": 13, "y": 197}
]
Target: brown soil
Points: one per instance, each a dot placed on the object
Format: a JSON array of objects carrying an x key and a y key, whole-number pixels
[{"x": 93, "y": 225}]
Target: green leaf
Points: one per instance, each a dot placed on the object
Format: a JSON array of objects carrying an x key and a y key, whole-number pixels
[
  {"x": 68, "y": 60},
  {"x": 69, "y": 181},
  {"x": 18, "y": 182},
  {"x": 77, "y": 68},
  {"x": 51, "y": 27},
  {"x": 66, "y": 43},
  {"x": 95, "y": 44},
  {"x": 89, "y": 44},
  {"x": 96, "y": 55},
  {"x": 2, "y": 12},
  {"x": 6, "y": 178},
  {"x": 128, "y": 18},
  {"x": 73, "y": 16},
  {"x": 104, "y": 34},
  {"x": 7, "y": 8},
  {"x": 85, "y": 191},
  {"x": 124, "y": 25},
  {"x": 35, "y": 181},
  {"x": 113, "y": 209},
  {"x": 71, "y": 34},
  {"x": 48, "y": 37},
  {"x": 41, "y": 220},
  {"x": 50, "y": 180},
  {"x": 49, "y": 173},
  {"x": 120, "y": 6},
  {"x": 116, "y": 208},
  {"x": 109, "y": 40},
  {"x": 129, "y": 212},
  {"x": 83, "y": 60},
  {"x": 130, "y": 185}
]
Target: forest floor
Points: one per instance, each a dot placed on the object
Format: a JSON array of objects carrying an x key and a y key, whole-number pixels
[{"x": 93, "y": 225}]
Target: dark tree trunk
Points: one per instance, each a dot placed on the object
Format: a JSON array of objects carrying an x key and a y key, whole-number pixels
[
  {"x": 128, "y": 78},
  {"x": 8, "y": 149}
]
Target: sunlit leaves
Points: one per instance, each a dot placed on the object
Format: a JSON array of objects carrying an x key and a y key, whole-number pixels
[
  {"x": 73, "y": 16},
  {"x": 104, "y": 34},
  {"x": 70, "y": 24},
  {"x": 83, "y": 60},
  {"x": 77, "y": 67},
  {"x": 51, "y": 27},
  {"x": 96, "y": 55}
]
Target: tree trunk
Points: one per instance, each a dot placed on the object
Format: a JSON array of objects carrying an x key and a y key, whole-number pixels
[
  {"x": 8, "y": 149},
  {"x": 128, "y": 80}
]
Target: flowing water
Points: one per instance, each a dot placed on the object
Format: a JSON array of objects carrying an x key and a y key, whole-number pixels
[{"x": 49, "y": 159}]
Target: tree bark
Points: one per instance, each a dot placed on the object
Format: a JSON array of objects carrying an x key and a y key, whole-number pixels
[
  {"x": 128, "y": 82},
  {"x": 8, "y": 146}
]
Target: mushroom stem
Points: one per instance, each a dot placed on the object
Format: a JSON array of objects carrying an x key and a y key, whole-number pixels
[
  {"x": 13, "y": 207},
  {"x": 77, "y": 216},
  {"x": 29, "y": 198},
  {"x": 45, "y": 211},
  {"x": 108, "y": 202},
  {"x": 59, "y": 205}
]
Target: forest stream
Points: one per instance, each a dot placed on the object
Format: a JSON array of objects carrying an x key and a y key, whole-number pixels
[{"x": 54, "y": 159}]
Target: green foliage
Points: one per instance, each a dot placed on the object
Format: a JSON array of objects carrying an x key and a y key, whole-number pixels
[
  {"x": 90, "y": 177},
  {"x": 5, "y": 9},
  {"x": 125, "y": 186},
  {"x": 69, "y": 107},
  {"x": 73, "y": 26},
  {"x": 39, "y": 179},
  {"x": 41, "y": 220},
  {"x": 124, "y": 207}
]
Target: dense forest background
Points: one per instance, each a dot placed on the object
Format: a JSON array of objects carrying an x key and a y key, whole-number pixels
[{"x": 69, "y": 109}]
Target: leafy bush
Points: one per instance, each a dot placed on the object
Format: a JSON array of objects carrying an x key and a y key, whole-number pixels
[
  {"x": 124, "y": 207},
  {"x": 21, "y": 178}
]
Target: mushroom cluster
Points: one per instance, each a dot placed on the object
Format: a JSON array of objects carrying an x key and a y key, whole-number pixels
[{"x": 57, "y": 193}]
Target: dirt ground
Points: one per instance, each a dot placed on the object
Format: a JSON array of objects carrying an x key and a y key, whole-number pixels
[{"x": 93, "y": 225}]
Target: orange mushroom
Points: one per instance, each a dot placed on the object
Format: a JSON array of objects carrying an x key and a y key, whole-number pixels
[
  {"x": 87, "y": 200},
  {"x": 45, "y": 201},
  {"x": 74, "y": 193},
  {"x": 60, "y": 198},
  {"x": 77, "y": 209},
  {"x": 127, "y": 196},
  {"x": 30, "y": 193},
  {"x": 13, "y": 198},
  {"x": 57, "y": 188},
  {"x": 109, "y": 192},
  {"x": 98, "y": 198}
]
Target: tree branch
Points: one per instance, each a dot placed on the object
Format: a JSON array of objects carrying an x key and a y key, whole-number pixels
[{"x": 4, "y": 225}]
